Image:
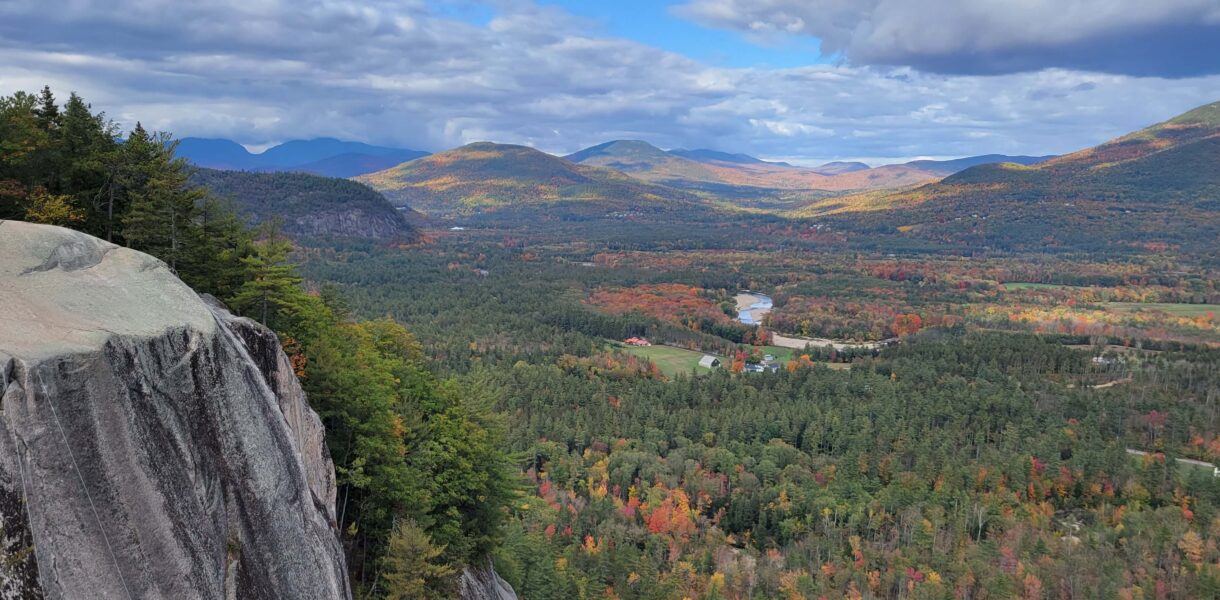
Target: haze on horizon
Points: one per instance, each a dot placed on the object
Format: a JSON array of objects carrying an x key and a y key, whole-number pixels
[{"x": 802, "y": 81}]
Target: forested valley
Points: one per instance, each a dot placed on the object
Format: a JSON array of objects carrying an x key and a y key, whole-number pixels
[
  {"x": 1035, "y": 425},
  {"x": 986, "y": 455}
]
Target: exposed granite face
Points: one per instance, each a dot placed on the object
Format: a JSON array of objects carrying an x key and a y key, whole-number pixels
[
  {"x": 483, "y": 583},
  {"x": 353, "y": 222},
  {"x": 151, "y": 444}
]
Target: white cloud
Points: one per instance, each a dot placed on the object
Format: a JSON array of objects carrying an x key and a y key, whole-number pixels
[
  {"x": 1142, "y": 37},
  {"x": 392, "y": 72}
]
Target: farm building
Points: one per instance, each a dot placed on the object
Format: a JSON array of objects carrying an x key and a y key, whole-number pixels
[
  {"x": 762, "y": 367},
  {"x": 709, "y": 362},
  {"x": 637, "y": 341}
]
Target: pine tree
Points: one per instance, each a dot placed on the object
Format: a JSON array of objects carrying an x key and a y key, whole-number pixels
[
  {"x": 162, "y": 206},
  {"x": 85, "y": 150},
  {"x": 47, "y": 111},
  {"x": 411, "y": 568},
  {"x": 272, "y": 290},
  {"x": 217, "y": 243}
]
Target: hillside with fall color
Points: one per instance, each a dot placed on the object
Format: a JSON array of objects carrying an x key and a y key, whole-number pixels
[
  {"x": 485, "y": 177},
  {"x": 730, "y": 175},
  {"x": 739, "y": 176},
  {"x": 1159, "y": 186}
]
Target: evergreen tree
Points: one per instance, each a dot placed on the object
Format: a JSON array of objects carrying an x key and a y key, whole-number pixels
[
  {"x": 272, "y": 290},
  {"x": 162, "y": 207},
  {"x": 85, "y": 152},
  {"x": 47, "y": 111},
  {"x": 217, "y": 244},
  {"x": 412, "y": 568}
]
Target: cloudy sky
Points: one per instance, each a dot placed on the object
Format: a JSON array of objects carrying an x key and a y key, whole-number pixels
[{"x": 810, "y": 81}]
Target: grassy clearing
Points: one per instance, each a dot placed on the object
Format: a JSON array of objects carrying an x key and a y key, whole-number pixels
[
  {"x": 1184, "y": 468},
  {"x": 671, "y": 361},
  {"x": 1177, "y": 310},
  {"x": 1012, "y": 287},
  {"x": 783, "y": 355}
]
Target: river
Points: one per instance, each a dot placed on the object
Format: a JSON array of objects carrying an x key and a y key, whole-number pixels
[{"x": 752, "y": 307}]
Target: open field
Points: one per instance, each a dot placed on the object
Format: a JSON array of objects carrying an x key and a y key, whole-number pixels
[
  {"x": 1036, "y": 286},
  {"x": 1177, "y": 310},
  {"x": 1186, "y": 466},
  {"x": 782, "y": 355},
  {"x": 670, "y": 360},
  {"x": 799, "y": 343}
]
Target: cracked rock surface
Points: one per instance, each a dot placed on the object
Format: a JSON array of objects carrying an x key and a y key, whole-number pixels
[{"x": 152, "y": 445}]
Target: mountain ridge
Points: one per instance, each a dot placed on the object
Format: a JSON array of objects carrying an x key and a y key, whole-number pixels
[
  {"x": 1158, "y": 185},
  {"x": 310, "y": 205},
  {"x": 321, "y": 156},
  {"x": 486, "y": 175},
  {"x": 740, "y": 174}
]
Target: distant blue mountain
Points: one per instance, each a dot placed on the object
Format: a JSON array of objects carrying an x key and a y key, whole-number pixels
[
  {"x": 300, "y": 152},
  {"x": 839, "y": 167},
  {"x": 705, "y": 155},
  {"x": 321, "y": 156},
  {"x": 353, "y": 164},
  {"x": 216, "y": 154}
]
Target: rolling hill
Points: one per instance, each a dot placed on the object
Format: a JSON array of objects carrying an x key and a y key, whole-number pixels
[
  {"x": 838, "y": 167},
  {"x": 949, "y": 167},
  {"x": 320, "y": 156},
  {"x": 714, "y": 156},
  {"x": 487, "y": 176},
  {"x": 1154, "y": 187},
  {"x": 734, "y": 177},
  {"x": 741, "y": 176},
  {"x": 310, "y": 205},
  {"x": 647, "y": 162}
]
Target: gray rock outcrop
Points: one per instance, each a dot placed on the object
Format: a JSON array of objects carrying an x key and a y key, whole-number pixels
[
  {"x": 152, "y": 445},
  {"x": 483, "y": 583}
]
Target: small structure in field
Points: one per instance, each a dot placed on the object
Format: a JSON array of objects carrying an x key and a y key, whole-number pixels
[
  {"x": 762, "y": 367},
  {"x": 637, "y": 341},
  {"x": 709, "y": 362}
]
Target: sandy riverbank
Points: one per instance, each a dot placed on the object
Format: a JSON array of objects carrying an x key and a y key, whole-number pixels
[{"x": 752, "y": 308}]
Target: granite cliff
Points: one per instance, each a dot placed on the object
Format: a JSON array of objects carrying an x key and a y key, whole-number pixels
[{"x": 152, "y": 445}]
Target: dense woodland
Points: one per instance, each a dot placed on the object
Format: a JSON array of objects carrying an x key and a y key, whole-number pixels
[
  {"x": 1021, "y": 440},
  {"x": 307, "y": 204},
  {"x": 985, "y": 456}
]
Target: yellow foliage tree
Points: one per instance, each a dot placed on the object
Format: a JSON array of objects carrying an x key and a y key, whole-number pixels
[{"x": 52, "y": 209}]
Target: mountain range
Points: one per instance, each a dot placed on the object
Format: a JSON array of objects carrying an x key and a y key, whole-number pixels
[
  {"x": 740, "y": 174},
  {"x": 320, "y": 156},
  {"x": 700, "y": 169},
  {"x": 1159, "y": 185},
  {"x": 484, "y": 175}
]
